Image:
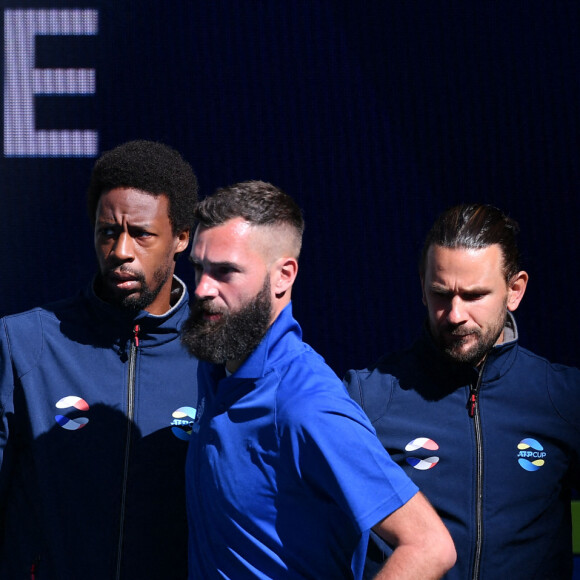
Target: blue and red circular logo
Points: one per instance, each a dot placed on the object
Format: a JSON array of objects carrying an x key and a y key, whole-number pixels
[
  {"x": 427, "y": 462},
  {"x": 74, "y": 402}
]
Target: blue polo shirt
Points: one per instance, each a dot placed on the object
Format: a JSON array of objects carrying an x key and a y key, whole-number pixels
[{"x": 284, "y": 473}]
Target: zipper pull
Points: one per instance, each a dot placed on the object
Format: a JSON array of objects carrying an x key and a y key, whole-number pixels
[
  {"x": 136, "y": 334},
  {"x": 474, "y": 389},
  {"x": 34, "y": 568},
  {"x": 472, "y": 402}
]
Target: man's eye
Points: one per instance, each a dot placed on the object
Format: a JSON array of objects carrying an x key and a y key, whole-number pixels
[
  {"x": 472, "y": 297},
  {"x": 138, "y": 233},
  {"x": 441, "y": 294},
  {"x": 106, "y": 232},
  {"x": 225, "y": 271}
]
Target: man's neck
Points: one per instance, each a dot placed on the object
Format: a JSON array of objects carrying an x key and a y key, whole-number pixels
[{"x": 233, "y": 365}]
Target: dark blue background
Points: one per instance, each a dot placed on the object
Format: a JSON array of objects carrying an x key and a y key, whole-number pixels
[{"x": 376, "y": 116}]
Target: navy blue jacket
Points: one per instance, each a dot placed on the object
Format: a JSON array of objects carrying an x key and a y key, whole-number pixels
[
  {"x": 496, "y": 451},
  {"x": 96, "y": 407}
]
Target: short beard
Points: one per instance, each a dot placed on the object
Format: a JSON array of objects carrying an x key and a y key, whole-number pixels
[
  {"x": 485, "y": 342},
  {"x": 235, "y": 336},
  {"x": 134, "y": 303}
]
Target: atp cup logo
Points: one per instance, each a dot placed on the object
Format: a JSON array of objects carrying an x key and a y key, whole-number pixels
[
  {"x": 531, "y": 454},
  {"x": 417, "y": 462},
  {"x": 181, "y": 425},
  {"x": 71, "y": 424}
]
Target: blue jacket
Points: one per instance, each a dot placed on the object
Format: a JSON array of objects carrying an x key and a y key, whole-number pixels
[
  {"x": 96, "y": 407},
  {"x": 495, "y": 451}
]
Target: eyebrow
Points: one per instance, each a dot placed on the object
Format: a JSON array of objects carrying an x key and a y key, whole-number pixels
[
  {"x": 225, "y": 263},
  {"x": 113, "y": 222},
  {"x": 471, "y": 290}
]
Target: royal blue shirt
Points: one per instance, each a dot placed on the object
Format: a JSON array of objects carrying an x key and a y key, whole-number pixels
[{"x": 284, "y": 473}]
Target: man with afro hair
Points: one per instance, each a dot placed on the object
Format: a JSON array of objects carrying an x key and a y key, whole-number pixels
[{"x": 97, "y": 392}]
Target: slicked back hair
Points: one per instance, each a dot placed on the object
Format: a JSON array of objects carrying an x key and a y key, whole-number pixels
[
  {"x": 152, "y": 168},
  {"x": 475, "y": 226},
  {"x": 257, "y": 202}
]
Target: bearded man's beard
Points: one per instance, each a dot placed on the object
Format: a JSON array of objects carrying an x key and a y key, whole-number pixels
[
  {"x": 235, "y": 335},
  {"x": 485, "y": 341}
]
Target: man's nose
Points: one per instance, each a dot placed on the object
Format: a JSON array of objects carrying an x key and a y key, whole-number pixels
[
  {"x": 206, "y": 287},
  {"x": 124, "y": 249},
  {"x": 456, "y": 314}
]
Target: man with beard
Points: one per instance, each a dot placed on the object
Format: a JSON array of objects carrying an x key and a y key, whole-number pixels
[
  {"x": 97, "y": 394},
  {"x": 488, "y": 430},
  {"x": 285, "y": 476}
]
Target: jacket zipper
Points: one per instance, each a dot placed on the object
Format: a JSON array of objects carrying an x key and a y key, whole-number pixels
[
  {"x": 473, "y": 410},
  {"x": 130, "y": 416},
  {"x": 34, "y": 568}
]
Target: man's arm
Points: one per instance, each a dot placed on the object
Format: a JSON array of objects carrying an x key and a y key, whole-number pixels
[
  {"x": 6, "y": 405},
  {"x": 423, "y": 548}
]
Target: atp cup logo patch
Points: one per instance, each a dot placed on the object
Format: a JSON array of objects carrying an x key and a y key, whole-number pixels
[
  {"x": 182, "y": 423},
  {"x": 427, "y": 462},
  {"x": 68, "y": 423},
  {"x": 531, "y": 454}
]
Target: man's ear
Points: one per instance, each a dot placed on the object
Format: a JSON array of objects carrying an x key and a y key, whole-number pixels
[
  {"x": 285, "y": 272},
  {"x": 516, "y": 289},
  {"x": 182, "y": 241}
]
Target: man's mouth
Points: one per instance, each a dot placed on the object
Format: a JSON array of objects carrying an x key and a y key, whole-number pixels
[
  {"x": 460, "y": 338},
  {"x": 455, "y": 335},
  {"x": 208, "y": 314},
  {"x": 124, "y": 280},
  {"x": 212, "y": 316}
]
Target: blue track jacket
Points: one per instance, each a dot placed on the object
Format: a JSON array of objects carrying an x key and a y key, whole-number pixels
[
  {"x": 96, "y": 407},
  {"x": 496, "y": 451}
]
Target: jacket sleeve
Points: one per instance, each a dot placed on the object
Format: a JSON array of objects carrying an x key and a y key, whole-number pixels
[
  {"x": 6, "y": 412},
  {"x": 372, "y": 391},
  {"x": 352, "y": 383},
  {"x": 564, "y": 387}
]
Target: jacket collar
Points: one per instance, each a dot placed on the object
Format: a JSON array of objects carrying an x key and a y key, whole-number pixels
[
  {"x": 116, "y": 325},
  {"x": 502, "y": 356}
]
